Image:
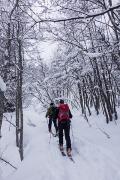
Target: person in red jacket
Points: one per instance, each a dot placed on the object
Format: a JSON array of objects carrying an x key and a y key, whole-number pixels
[{"x": 64, "y": 115}]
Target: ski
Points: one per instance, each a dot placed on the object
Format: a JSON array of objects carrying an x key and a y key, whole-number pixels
[
  {"x": 71, "y": 158},
  {"x": 63, "y": 153},
  {"x": 54, "y": 135},
  {"x": 67, "y": 155}
]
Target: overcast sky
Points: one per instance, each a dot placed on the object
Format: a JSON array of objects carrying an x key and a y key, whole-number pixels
[{"x": 47, "y": 51}]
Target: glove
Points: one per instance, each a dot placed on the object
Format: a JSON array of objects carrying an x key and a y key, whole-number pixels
[{"x": 70, "y": 122}]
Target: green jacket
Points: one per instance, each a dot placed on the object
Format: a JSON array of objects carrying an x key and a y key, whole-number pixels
[{"x": 52, "y": 112}]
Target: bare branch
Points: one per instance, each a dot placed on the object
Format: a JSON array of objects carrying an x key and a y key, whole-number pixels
[
  {"x": 80, "y": 17},
  {"x": 75, "y": 18},
  {"x": 16, "y": 4}
]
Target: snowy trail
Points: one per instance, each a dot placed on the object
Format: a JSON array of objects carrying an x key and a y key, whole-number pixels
[{"x": 43, "y": 160}]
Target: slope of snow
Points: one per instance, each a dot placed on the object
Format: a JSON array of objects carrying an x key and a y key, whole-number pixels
[{"x": 95, "y": 149}]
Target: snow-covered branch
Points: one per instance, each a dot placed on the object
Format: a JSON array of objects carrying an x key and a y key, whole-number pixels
[{"x": 80, "y": 17}]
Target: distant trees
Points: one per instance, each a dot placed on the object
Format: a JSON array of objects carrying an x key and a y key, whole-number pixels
[
  {"x": 86, "y": 65},
  {"x": 89, "y": 62}
]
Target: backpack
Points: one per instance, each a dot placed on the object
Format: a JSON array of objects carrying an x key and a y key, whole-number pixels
[
  {"x": 63, "y": 112},
  {"x": 52, "y": 111}
]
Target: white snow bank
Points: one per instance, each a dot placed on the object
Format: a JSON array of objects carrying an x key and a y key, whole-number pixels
[
  {"x": 2, "y": 84},
  {"x": 8, "y": 149},
  {"x": 96, "y": 156}
]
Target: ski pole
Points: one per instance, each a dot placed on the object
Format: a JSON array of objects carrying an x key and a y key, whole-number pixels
[
  {"x": 72, "y": 133},
  {"x": 50, "y": 138},
  {"x": 47, "y": 122},
  {"x": 48, "y": 127}
]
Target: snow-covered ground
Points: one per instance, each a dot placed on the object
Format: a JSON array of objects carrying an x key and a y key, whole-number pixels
[{"x": 96, "y": 150}]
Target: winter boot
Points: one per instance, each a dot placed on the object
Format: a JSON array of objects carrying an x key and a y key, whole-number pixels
[
  {"x": 61, "y": 148},
  {"x": 69, "y": 151}
]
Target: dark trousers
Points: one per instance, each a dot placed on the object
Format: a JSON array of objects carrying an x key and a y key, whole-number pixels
[
  {"x": 64, "y": 126},
  {"x": 50, "y": 124}
]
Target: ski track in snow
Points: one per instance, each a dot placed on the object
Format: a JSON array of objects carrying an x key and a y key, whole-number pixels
[{"x": 43, "y": 160}]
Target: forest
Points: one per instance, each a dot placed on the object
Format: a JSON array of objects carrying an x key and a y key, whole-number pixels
[{"x": 84, "y": 68}]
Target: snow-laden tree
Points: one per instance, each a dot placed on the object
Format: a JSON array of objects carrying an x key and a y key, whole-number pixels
[
  {"x": 90, "y": 56},
  {"x": 17, "y": 35}
]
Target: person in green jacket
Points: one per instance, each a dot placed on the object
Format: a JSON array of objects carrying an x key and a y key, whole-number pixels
[{"x": 52, "y": 115}]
